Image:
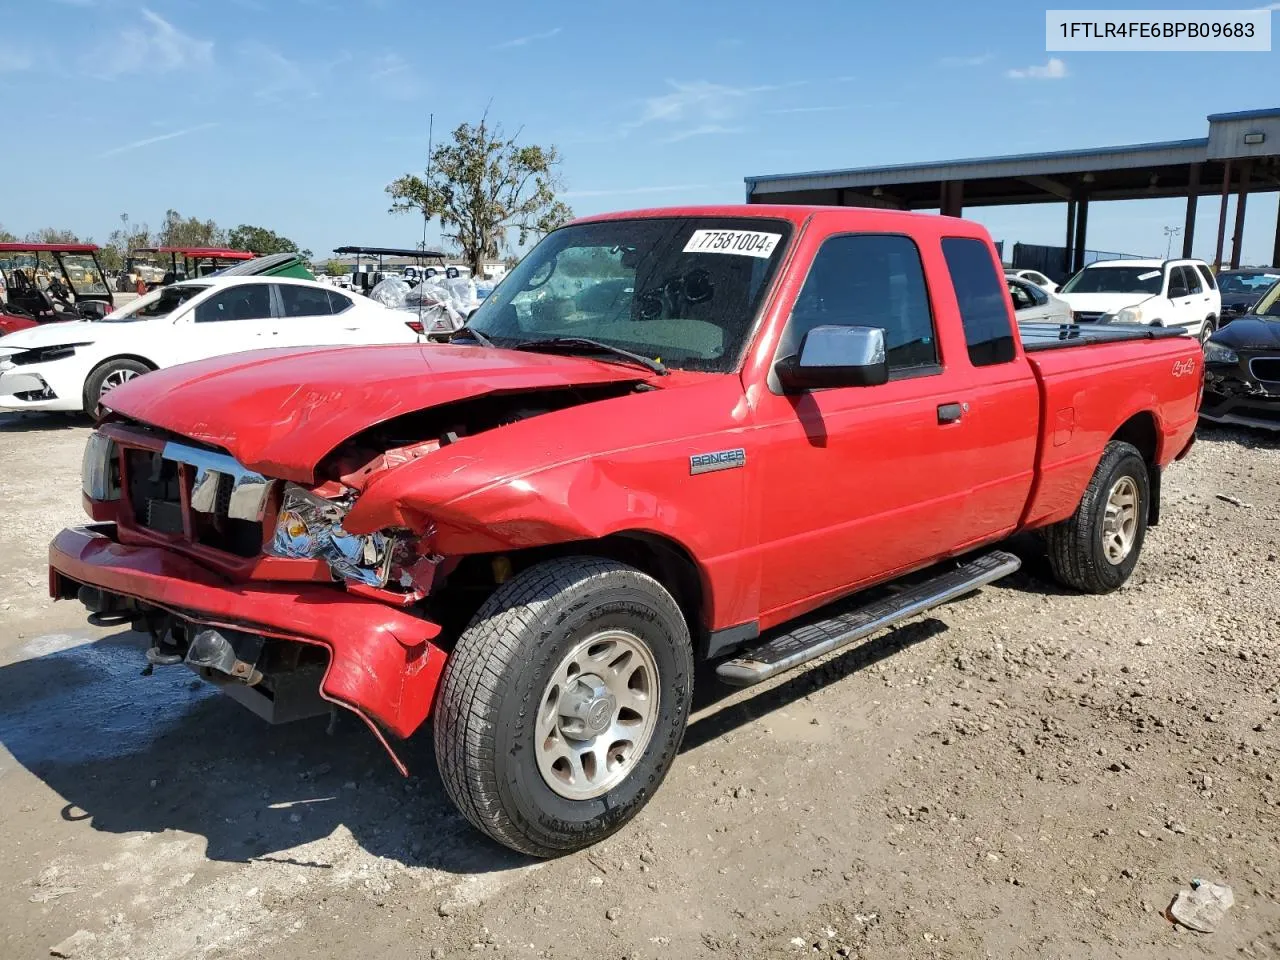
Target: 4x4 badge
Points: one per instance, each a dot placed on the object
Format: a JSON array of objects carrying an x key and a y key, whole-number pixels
[{"x": 720, "y": 460}]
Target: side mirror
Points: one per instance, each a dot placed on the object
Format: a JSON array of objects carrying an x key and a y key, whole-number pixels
[{"x": 835, "y": 357}]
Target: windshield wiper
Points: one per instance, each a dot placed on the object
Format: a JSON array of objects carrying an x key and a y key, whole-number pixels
[
  {"x": 473, "y": 333},
  {"x": 587, "y": 345}
]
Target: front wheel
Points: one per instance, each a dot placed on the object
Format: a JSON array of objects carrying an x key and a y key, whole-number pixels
[
  {"x": 1097, "y": 547},
  {"x": 106, "y": 378},
  {"x": 563, "y": 704}
]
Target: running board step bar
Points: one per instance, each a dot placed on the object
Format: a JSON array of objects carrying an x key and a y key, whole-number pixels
[{"x": 788, "y": 650}]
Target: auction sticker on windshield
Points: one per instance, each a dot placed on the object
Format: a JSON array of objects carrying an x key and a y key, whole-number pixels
[{"x": 746, "y": 243}]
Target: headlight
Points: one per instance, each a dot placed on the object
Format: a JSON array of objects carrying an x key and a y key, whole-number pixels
[
  {"x": 1217, "y": 353},
  {"x": 45, "y": 354},
  {"x": 100, "y": 469},
  {"x": 310, "y": 527},
  {"x": 1129, "y": 315}
]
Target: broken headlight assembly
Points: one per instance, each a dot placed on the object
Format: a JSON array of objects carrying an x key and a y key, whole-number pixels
[
  {"x": 310, "y": 527},
  {"x": 100, "y": 469},
  {"x": 1217, "y": 353}
]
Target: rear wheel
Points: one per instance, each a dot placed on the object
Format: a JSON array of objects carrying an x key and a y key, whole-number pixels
[
  {"x": 563, "y": 704},
  {"x": 106, "y": 378},
  {"x": 1207, "y": 331},
  {"x": 1097, "y": 547}
]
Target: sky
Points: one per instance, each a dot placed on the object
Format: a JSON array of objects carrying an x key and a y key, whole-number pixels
[{"x": 296, "y": 114}]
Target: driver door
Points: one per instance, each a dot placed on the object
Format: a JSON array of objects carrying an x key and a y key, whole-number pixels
[{"x": 231, "y": 320}]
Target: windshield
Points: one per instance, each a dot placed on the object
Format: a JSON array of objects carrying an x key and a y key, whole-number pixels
[
  {"x": 82, "y": 271},
  {"x": 683, "y": 290},
  {"x": 1269, "y": 305},
  {"x": 1116, "y": 280},
  {"x": 1246, "y": 284},
  {"x": 157, "y": 303}
]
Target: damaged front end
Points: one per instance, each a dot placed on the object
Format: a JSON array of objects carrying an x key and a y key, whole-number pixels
[{"x": 309, "y": 527}]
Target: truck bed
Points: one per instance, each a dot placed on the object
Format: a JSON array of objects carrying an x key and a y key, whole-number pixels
[{"x": 1057, "y": 336}]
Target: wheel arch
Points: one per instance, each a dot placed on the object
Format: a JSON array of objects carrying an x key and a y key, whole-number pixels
[
  {"x": 135, "y": 357},
  {"x": 1143, "y": 433},
  {"x": 665, "y": 559}
]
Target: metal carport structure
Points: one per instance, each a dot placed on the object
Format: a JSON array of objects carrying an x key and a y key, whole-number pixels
[{"x": 1240, "y": 155}]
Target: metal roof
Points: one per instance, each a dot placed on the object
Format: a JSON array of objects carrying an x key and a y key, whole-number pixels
[
  {"x": 221, "y": 253},
  {"x": 1058, "y": 161},
  {"x": 392, "y": 252},
  {"x": 1245, "y": 115},
  {"x": 1127, "y": 171},
  {"x": 48, "y": 247}
]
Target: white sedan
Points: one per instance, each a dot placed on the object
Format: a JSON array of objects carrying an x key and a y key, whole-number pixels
[{"x": 69, "y": 366}]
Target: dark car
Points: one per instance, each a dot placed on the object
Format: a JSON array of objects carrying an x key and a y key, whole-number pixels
[
  {"x": 1242, "y": 368},
  {"x": 1241, "y": 289}
]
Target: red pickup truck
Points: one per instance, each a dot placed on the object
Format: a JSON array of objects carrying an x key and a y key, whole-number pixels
[{"x": 668, "y": 436}]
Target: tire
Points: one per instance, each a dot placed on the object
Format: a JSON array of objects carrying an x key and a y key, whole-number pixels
[
  {"x": 1207, "y": 331},
  {"x": 1077, "y": 546},
  {"x": 103, "y": 378},
  {"x": 494, "y": 700}
]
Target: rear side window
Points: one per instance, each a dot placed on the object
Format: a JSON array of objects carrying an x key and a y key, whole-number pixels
[
  {"x": 1208, "y": 276},
  {"x": 983, "y": 301},
  {"x": 868, "y": 280},
  {"x": 338, "y": 302},
  {"x": 304, "y": 301}
]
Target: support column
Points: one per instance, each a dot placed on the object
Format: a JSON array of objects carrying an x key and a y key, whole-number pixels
[
  {"x": 1242, "y": 194},
  {"x": 951, "y": 198},
  {"x": 1275, "y": 252},
  {"x": 1222, "y": 215},
  {"x": 1070, "y": 246},
  {"x": 1082, "y": 227},
  {"x": 1193, "y": 194}
]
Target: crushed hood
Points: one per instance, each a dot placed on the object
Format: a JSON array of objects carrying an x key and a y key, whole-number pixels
[{"x": 280, "y": 412}]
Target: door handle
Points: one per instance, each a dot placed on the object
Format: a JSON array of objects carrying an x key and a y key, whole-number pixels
[{"x": 951, "y": 412}]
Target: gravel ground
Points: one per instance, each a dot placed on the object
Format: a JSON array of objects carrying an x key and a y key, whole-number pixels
[{"x": 1026, "y": 773}]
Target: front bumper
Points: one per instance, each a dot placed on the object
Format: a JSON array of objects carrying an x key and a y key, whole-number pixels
[
  {"x": 36, "y": 387},
  {"x": 1245, "y": 410},
  {"x": 383, "y": 663}
]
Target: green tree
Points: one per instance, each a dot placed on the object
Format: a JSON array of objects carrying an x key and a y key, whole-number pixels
[
  {"x": 261, "y": 241},
  {"x": 6, "y": 236},
  {"x": 336, "y": 268},
  {"x": 130, "y": 236},
  {"x": 483, "y": 185},
  {"x": 52, "y": 235},
  {"x": 191, "y": 232}
]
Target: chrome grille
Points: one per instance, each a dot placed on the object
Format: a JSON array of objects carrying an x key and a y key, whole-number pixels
[{"x": 227, "y": 502}]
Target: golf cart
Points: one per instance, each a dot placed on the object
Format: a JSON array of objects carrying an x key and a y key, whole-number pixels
[
  {"x": 195, "y": 261},
  {"x": 47, "y": 282},
  {"x": 366, "y": 276}
]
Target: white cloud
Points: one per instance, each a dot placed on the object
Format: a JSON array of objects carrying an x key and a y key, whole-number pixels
[
  {"x": 274, "y": 75},
  {"x": 706, "y": 130},
  {"x": 147, "y": 141},
  {"x": 1055, "y": 69},
  {"x": 157, "y": 46},
  {"x": 396, "y": 78},
  {"x": 525, "y": 41},
  {"x": 12, "y": 61},
  {"x": 975, "y": 61},
  {"x": 1269, "y": 6}
]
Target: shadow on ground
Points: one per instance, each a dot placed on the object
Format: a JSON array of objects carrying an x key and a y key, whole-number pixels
[
  {"x": 46, "y": 422},
  {"x": 130, "y": 753}
]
